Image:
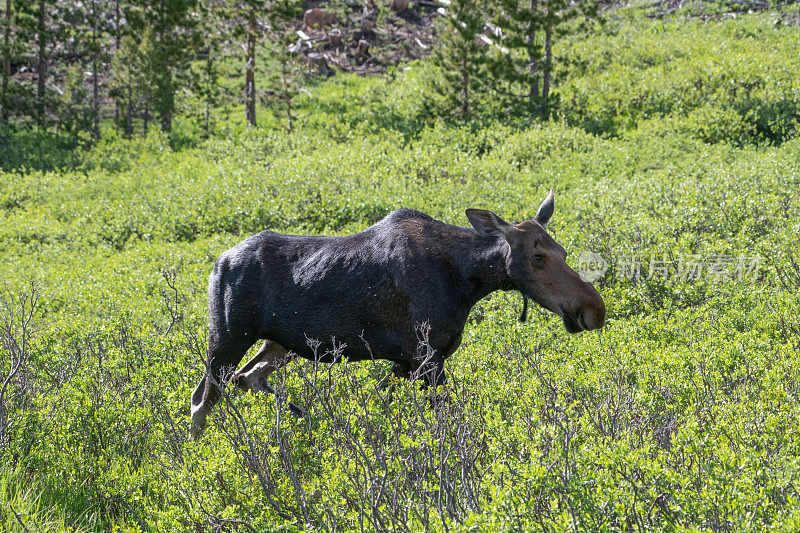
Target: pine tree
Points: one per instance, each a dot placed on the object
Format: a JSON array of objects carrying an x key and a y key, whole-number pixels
[
  {"x": 521, "y": 26},
  {"x": 8, "y": 21},
  {"x": 251, "y": 33},
  {"x": 154, "y": 81},
  {"x": 251, "y": 21},
  {"x": 460, "y": 58},
  {"x": 172, "y": 46},
  {"x": 284, "y": 82},
  {"x": 240, "y": 26},
  {"x": 523, "y": 73},
  {"x": 41, "y": 64},
  {"x": 46, "y": 38},
  {"x": 35, "y": 33},
  {"x": 98, "y": 30},
  {"x": 77, "y": 112},
  {"x": 84, "y": 34},
  {"x": 206, "y": 86},
  {"x": 205, "y": 71},
  {"x": 125, "y": 83}
]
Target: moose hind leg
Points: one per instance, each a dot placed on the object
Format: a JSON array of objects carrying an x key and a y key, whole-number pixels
[
  {"x": 222, "y": 354},
  {"x": 204, "y": 397}
]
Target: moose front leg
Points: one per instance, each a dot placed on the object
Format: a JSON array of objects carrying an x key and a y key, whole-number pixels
[
  {"x": 253, "y": 376},
  {"x": 399, "y": 371},
  {"x": 431, "y": 370}
]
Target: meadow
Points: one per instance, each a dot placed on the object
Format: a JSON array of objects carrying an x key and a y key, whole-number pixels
[{"x": 674, "y": 156}]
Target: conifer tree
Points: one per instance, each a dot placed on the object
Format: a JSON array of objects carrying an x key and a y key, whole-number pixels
[
  {"x": 205, "y": 72},
  {"x": 32, "y": 45},
  {"x": 8, "y": 21},
  {"x": 98, "y": 31},
  {"x": 251, "y": 33},
  {"x": 262, "y": 26},
  {"x": 243, "y": 18},
  {"x": 168, "y": 52},
  {"x": 206, "y": 86},
  {"x": 84, "y": 36},
  {"x": 154, "y": 81},
  {"x": 523, "y": 73},
  {"x": 77, "y": 114},
  {"x": 42, "y": 39},
  {"x": 460, "y": 58},
  {"x": 285, "y": 80},
  {"x": 125, "y": 83},
  {"x": 521, "y": 26}
]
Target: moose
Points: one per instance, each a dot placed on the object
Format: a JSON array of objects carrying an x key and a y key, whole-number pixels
[{"x": 371, "y": 289}]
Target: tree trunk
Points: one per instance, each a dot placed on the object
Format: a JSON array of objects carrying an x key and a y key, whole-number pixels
[
  {"x": 41, "y": 67},
  {"x": 116, "y": 47},
  {"x": 548, "y": 63},
  {"x": 289, "y": 124},
  {"x": 465, "y": 86},
  {"x": 533, "y": 59},
  {"x": 210, "y": 86},
  {"x": 129, "y": 112},
  {"x": 250, "y": 73},
  {"x": 287, "y": 96},
  {"x": 95, "y": 92},
  {"x": 166, "y": 90},
  {"x": 6, "y": 61},
  {"x": 166, "y": 96}
]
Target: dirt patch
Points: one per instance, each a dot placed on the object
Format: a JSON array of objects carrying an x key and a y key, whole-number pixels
[{"x": 367, "y": 39}]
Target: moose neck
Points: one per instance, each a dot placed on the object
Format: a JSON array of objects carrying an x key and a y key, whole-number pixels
[{"x": 484, "y": 263}]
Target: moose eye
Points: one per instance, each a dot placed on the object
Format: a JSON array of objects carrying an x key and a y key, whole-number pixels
[{"x": 538, "y": 258}]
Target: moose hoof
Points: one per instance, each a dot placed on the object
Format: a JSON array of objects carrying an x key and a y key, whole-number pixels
[
  {"x": 237, "y": 382},
  {"x": 195, "y": 431},
  {"x": 297, "y": 411},
  {"x": 198, "y": 423}
]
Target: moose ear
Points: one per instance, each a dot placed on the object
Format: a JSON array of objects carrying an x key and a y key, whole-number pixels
[
  {"x": 545, "y": 210},
  {"x": 487, "y": 223}
]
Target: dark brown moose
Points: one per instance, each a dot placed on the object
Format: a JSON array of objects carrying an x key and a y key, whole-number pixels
[{"x": 371, "y": 291}]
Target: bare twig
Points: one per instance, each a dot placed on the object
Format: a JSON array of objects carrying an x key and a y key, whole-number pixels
[
  {"x": 17, "y": 328},
  {"x": 171, "y": 297},
  {"x": 19, "y": 519}
]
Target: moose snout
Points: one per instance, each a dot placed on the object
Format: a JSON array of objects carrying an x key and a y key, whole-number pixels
[
  {"x": 593, "y": 313},
  {"x": 593, "y": 317},
  {"x": 589, "y": 314}
]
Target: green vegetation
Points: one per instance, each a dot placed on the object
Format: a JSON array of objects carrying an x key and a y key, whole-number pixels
[{"x": 671, "y": 140}]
